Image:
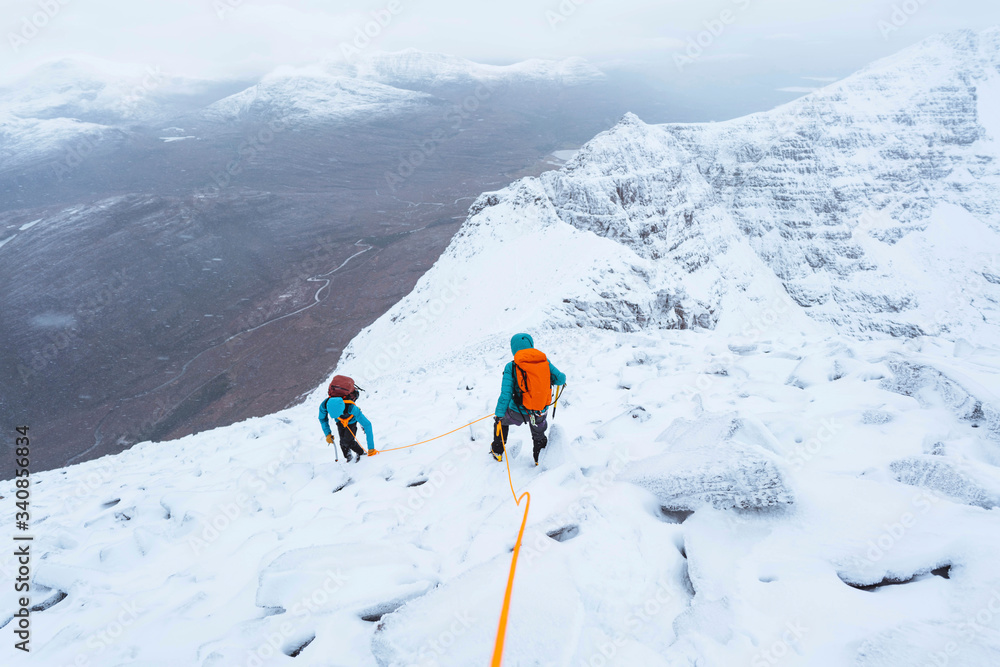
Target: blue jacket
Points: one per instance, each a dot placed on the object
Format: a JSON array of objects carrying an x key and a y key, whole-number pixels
[
  {"x": 521, "y": 341},
  {"x": 334, "y": 407}
]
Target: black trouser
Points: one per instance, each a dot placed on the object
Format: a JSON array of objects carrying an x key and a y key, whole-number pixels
[
  {"x": 348, "y": 440},
  {"x": 515, "y": 418}
]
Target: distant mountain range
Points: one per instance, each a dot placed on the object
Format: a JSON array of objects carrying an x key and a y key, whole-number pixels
[
  {"x": 96, "y": 101},
  {"x": 412, "y": 67}
]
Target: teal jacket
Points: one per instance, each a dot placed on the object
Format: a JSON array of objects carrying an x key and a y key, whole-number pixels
[
  {"x": 521, "y": 341},
  {"x": 334, "y": 407}
]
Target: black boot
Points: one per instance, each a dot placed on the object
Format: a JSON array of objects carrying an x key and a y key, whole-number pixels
[
  {"x": 539, "y": 443},
  {"x": 358, "y": 452},
  {"x": 500, "y": 432}
]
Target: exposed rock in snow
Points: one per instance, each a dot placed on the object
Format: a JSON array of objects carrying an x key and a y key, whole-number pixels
[
  {"x": 706, "y": 464},
  {"x": 930, "y": 386},
  {"x": 949, "y": 477}
]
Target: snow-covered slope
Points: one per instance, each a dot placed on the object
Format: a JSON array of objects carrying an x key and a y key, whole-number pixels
[
  {"x": 414, "y": 67},
  {"x": 734, "y": 475},
  {"x": 810, "y": 467},
  {"x": 312, "y": 94},
  {"x": 57, "y": 140}
]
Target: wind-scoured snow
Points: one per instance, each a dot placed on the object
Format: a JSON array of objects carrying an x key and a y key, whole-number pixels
[
  {"x": 970, "y": 484},
  {"x": 705, "y": 463},
  {"x": 227, "y": 542},
  {"x": 774, "y": 448}
]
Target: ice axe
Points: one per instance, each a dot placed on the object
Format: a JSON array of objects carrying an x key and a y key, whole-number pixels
[{"x": 555, "y": 403}]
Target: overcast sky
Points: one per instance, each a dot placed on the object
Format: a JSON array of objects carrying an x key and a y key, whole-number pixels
[{"x": 216, "y": 38}]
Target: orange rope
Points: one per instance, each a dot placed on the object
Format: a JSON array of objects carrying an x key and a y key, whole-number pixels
[
  {"x": 437, "y": 437},
  {"x": 505, "y": 610},
  {"x": 502, "y": 627}
]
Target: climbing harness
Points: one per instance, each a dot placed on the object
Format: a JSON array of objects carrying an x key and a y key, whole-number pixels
[{"x": 346, "y": 417}]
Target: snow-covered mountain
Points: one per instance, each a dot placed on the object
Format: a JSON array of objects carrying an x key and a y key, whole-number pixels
[
  {"x": 414, "y": 67},
  {"x": 758, "y": 459},
  {"x": 70, "y": 105},
  {"x": 33, "y": 139},
  {"x": 93, "y": 90},
  {"x": 43, "y": 113},
  {"x": 379, "y": 83},
  {"x": 66, "y": 109},
  {"x": 312, "y": 94},
  {"x": 872, "y": 203}
]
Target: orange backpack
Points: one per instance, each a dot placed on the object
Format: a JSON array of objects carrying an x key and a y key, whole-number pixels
[{"x": 533, "y": 386}]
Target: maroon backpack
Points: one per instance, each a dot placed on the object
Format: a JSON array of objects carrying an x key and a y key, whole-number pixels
[{"x": 341, "y": 386}]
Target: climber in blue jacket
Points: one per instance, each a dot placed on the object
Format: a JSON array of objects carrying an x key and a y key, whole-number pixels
[
  {"x": 347, "y": 415},
  {"x": 525, "y": 394}
]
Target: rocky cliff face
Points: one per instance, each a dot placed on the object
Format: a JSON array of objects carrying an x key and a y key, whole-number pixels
[{"x": 871, "y": 203}]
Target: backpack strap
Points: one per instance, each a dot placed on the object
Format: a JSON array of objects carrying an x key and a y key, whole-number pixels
[{"x": 346, "y": 417}]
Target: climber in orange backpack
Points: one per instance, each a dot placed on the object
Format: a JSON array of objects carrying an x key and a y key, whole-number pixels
[
  {"x": 525, "y": 395},
  {"x": 340, "y": 405}
]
